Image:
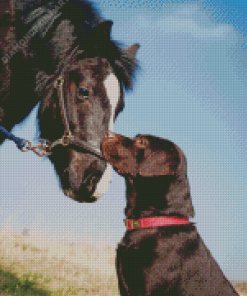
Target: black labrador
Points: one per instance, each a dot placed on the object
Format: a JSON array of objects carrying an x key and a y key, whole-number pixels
[{"x": 161, "y": 253}]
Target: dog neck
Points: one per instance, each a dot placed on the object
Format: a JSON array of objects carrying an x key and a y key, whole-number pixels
[{"x": 154, "y": 196}]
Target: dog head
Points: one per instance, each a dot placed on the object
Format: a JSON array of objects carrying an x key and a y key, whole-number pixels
[
  {"x": 143, "y": 155},
  {"x": 151, "y": 160}
]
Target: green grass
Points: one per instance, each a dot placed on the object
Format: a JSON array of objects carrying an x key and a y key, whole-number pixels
[
  {"x": 34, "y": 266},
  {"x": 10, "y": 284}
]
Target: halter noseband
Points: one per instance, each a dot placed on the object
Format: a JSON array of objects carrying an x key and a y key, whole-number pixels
[{"x": 68, "y": 138}]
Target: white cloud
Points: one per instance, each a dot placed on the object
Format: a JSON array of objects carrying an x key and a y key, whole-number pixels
[
  {"x": 189, "y": 20},
  {"x": 173, "y": 24}
]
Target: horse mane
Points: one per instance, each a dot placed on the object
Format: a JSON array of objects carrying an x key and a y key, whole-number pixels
[{"x": 57, "y": 30}]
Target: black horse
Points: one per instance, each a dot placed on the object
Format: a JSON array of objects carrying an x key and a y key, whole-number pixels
[{"x": 61, "y": 54}]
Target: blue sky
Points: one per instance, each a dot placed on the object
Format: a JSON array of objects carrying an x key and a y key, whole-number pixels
[{"x": 192, "y": 90}]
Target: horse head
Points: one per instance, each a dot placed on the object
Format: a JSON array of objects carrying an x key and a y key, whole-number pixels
[{"x": 82, "y": 109}]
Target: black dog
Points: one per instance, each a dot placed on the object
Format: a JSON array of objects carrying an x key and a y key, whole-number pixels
[{"x": 161, "y": 253}]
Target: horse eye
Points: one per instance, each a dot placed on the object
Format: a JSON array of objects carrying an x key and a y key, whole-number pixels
[{"x": 83, "y": 92}]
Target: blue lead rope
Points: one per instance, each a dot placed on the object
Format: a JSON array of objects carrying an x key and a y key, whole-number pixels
[
  {"x": 18, "y": 141},
  {"x": 25, "y": 145}
]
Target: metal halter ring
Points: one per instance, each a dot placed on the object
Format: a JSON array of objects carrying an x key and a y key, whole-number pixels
[
  {"x": 59, "y": 82},
  {"x": 66, "y": 139},
  {"x": 27, "y": 146}
]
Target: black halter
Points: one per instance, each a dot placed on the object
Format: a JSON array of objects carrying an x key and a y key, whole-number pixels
[
  {"x": 68, "y": 138},
  {"x": 45, "y": 148}
]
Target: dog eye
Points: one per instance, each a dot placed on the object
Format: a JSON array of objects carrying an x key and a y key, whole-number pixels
[{"x": 83, "y": 92}]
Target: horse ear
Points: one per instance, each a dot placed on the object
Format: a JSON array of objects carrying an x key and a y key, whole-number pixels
[
  {"x": 131, "y": 50},
  {"x": 102, "y": 32},
  {"x": 156, "y": 165}
]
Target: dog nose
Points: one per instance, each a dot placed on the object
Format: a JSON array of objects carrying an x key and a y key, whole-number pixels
[{"x": 110, "y": 134}]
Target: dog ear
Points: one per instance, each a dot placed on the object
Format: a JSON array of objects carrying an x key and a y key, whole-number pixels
[{"x": 156, "y": 165}]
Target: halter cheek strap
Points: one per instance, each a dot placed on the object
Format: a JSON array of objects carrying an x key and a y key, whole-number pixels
[{"x": 68, "y": 138}]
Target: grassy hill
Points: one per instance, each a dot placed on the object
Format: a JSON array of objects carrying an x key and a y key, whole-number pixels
[{"x": 32, "y": 265}]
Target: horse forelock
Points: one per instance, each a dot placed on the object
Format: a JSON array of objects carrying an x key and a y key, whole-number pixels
[{"x": 61, "y": 28}]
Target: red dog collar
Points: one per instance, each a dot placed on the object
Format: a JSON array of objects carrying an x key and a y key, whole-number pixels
[{"x": 155, "y": 221}]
